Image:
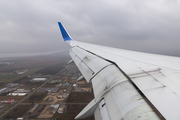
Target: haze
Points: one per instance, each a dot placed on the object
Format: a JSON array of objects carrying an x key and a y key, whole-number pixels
[{"x": 30, "y": 26}]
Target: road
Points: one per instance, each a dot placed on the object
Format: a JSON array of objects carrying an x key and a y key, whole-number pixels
[
  {"x": 51, "y": 104},
  {"x": 30, "y": 94}
]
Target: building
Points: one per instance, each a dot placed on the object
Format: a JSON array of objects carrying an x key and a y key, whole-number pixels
[
  {"x": 86, "y": 89},
  {"x": 1, "y": 90},
  {"x": 61, "y": 108},
  {"x": 59, "y": 85},
  {"x": 7, "y": 90},
  {"x": 49, "y": 90},
  {"x": 54, "y": 90},
  {"x": 9, "y": 101},
  {"x": 39, "y": 79},
  {"x": 55, "y": 108},
  {"x": 60, "y": 81},
  {"x": 81, "y": 82},
  {"x": 50, "y": 99},
  {"x": 19, "y": 72},
  {"x": 62, "y": 95},
  {"x": 12, "y": 84},
  {"x": 78, "y": 90},
  {"x": 19, "y": 92},
  {"x": 66, "y": 84},
  {"x": 2, "y": 106},
  {"x": 19, "y": 118},
  {"x": 34, "y": 108}
]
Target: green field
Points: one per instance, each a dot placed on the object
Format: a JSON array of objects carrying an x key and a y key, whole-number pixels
[
  {"x": 17, "y": 112},
  {"x": 30, "y": 72},
  {"x": 5, "y": 77}
]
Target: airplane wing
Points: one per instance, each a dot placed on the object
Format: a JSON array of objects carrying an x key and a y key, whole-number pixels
[{"x": 127, "y": 85}]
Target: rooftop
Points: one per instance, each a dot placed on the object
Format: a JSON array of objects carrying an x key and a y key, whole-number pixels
[{"x": 39, "y": 79}]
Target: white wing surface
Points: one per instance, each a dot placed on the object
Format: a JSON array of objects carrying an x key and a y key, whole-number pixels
[{"x": 127, "y": 85}]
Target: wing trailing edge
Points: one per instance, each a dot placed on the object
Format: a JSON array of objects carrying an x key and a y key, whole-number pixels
[{"x": 88, "y": 110}]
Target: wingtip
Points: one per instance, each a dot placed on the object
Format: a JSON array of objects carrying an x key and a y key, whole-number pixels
[{"x": 64, "y": 32}]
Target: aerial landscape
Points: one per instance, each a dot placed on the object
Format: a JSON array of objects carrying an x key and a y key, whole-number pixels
[
  {"x": 42, "y": 87},
  {"x": 89, "y": 59}
]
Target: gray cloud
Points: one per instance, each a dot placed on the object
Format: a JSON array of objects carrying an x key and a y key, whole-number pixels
[{"x": 31, "y": 26}]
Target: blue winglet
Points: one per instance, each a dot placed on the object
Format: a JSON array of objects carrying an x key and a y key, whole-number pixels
[{"x": 64, "y": 33}]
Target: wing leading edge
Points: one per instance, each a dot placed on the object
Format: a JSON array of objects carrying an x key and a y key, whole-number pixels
[{"x": 127, "y": 84}]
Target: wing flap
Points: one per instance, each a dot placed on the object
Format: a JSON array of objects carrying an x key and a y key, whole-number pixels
[
  {"x": 88, "y": 110},
  {"x": 124, "y": 103},
  {"x": 122, "y": 100},
  {"x": 97, "y": 114}
]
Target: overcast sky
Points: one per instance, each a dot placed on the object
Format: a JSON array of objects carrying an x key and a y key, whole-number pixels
[{"x": 30, "y": 26}]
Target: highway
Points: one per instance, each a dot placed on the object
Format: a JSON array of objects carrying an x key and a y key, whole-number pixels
[{"x": 51, "y": 104}]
